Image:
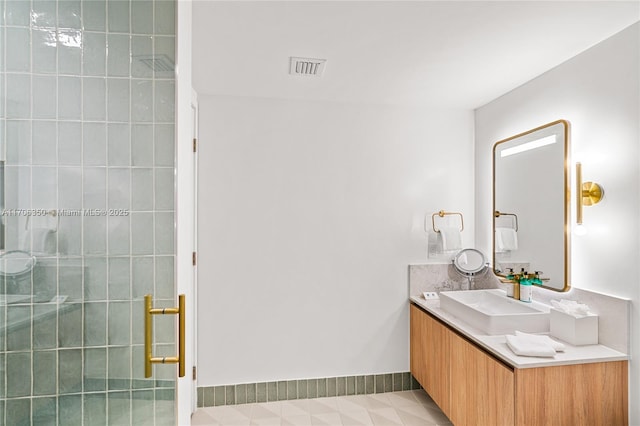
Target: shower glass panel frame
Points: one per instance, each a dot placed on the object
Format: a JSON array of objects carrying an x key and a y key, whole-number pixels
[{"x": 87, "y": 155}]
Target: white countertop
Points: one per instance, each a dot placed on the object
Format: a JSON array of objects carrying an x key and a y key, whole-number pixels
[{"x": 497, "y": 346}]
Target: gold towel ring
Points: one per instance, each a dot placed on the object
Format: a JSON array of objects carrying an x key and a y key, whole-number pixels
[{"x": 442, "y": 213}]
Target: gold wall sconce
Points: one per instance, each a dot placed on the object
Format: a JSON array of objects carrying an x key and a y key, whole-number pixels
[{"x": 588, "y": 193}]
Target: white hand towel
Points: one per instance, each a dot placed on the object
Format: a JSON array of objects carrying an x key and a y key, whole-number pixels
[
  {"x": 526, "y": 347},
  {"x": 557, "y": 346},
  {"x": 451, "y": 239},
  {"x": 506, "y": 239}
]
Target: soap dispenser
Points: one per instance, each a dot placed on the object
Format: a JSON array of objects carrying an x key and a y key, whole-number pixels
[
  {"x": 526, "y": 288},
  {"x": 511, "y": 278},
  {"x": 536, "y": 279}
]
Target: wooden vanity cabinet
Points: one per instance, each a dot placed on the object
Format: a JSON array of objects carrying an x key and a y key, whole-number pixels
[
  {"x": 482, "y": 388},
  {"x": 579, "y": 394},
  {"x": 474, "y": 388},
  {"x": 430, "y": 360}
]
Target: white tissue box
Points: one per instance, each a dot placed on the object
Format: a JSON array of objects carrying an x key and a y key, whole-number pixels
[{"x": 576, "y": 331}]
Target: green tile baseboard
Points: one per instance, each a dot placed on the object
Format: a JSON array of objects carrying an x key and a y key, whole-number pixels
[{"x": 245, "y": 393}]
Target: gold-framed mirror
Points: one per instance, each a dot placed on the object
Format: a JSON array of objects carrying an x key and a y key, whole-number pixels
[{"x": 531, "y": 205}]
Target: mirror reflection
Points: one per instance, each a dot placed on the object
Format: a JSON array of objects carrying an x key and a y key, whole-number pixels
[{"x": 530, "y": 204}]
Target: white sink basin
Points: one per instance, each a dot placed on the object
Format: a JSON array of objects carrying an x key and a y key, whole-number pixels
[{"x": 494, "y": 313}]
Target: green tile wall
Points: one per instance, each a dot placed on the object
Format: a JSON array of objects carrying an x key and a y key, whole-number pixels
[
  {"x": 85, "y": 125},
  {"x": 246, "y": 393}
]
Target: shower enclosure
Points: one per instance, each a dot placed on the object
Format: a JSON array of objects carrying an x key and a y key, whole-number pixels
[{"x": 87, "y": 151}]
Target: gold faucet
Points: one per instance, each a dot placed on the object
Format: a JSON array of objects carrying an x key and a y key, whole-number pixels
[
  {"x": 516, "y": 286},
  {"x": 514, "y": 279}
]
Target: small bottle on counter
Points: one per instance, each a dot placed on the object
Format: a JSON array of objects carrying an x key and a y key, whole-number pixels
[
  {"x": 536, "y": 279},
  {"x": 510, "y": 277},
  {"x": 509, "y": 290},
  {"x": 526, "y": 289}
]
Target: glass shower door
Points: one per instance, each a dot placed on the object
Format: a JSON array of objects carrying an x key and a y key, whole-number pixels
[{"x": 87, "y": 210}]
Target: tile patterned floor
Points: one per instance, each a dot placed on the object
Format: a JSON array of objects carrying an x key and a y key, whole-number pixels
[{"x": 407, "y": 408}]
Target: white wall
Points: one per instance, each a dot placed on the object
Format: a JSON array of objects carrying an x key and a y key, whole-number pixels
[
  {"x": 599, "y": 93},
  {"x": 309, "y": 214},
  {"x": 185, "y": 198}
]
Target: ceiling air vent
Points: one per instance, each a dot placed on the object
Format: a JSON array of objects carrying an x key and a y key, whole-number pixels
[{"x": 307, "y": 66}]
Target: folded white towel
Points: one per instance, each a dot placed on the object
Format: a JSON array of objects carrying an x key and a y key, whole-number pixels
[
  {"x": 451, "y": 239},
  {"x": 526, "y": 347},
  {"x": 539, "y": 338},
  {"x": 506, "y": 239}
]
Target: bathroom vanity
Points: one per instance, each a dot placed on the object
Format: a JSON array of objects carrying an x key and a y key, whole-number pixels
[
  {"x": 458, "y": 348},
  {"x": 476, "y": 380}
]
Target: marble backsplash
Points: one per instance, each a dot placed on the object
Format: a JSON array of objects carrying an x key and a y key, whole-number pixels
[{"x": 444, "y": 277}]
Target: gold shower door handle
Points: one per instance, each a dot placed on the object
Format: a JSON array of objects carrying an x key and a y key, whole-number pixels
[{"x": 149, "y": 359}]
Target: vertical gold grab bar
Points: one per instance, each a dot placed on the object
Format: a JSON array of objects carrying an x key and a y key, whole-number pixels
[
  {"x": 149, "y": 359},
  {"x": 148, "y": 335},
  {"x": 181, "y": 324}
]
